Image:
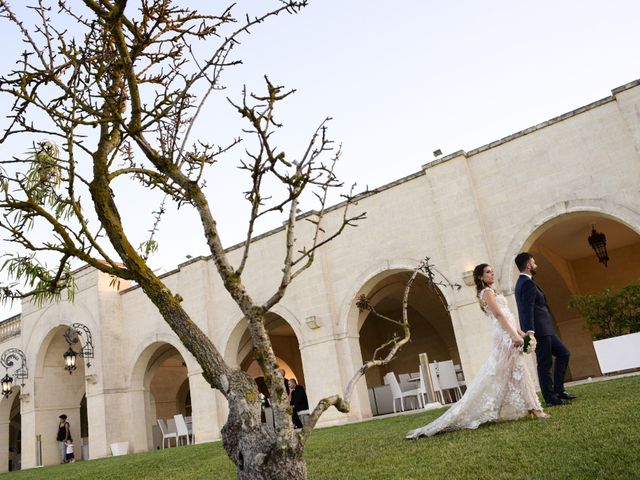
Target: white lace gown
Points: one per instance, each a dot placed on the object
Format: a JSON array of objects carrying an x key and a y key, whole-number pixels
[{"x": 502, "y": 390}]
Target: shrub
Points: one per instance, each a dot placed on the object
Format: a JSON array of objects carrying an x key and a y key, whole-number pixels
[{"x": 611, "y": 312}]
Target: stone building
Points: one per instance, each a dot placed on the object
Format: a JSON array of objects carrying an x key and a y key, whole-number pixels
[{"x": 540, "y": 190}]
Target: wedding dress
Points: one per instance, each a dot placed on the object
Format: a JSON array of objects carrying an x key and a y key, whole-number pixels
[{"x": 502, "y": 390}]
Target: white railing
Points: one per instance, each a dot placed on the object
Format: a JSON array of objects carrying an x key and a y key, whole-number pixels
[{"x": 10, "y": 328}]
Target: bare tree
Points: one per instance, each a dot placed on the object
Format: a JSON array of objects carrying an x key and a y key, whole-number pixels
[{"x": 116, "y": 96}]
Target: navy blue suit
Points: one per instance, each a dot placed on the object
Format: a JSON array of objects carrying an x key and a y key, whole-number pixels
[
  {"x": 535, "y": 315},
  {"x": 299, "y": 402}
]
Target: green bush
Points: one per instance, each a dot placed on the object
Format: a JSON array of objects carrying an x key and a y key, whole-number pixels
[{"x": 611, "y": 312}]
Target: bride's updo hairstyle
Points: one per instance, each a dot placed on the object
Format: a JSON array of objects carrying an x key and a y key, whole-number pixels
[{"x": 478, "y": 272}]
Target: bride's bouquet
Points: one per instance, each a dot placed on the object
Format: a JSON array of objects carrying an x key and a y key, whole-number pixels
[{"x": 530, "y": 343}]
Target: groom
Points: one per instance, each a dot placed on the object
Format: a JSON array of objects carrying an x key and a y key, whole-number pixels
[{"x": 535, "y": 317}]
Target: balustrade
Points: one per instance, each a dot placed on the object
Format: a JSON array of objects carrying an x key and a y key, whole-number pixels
[{"x": 10, "y": 328}]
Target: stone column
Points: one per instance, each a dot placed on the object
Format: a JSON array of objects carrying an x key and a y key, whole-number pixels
[
  {"x": 204, "y": 409},
  {"x": 328, "y": 365},
  {"x": 4, "y": 442}
]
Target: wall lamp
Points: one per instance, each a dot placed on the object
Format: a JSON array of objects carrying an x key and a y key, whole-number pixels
[
  {"x": 8, "y": 360},
  {"x": 73, "y": 335}
]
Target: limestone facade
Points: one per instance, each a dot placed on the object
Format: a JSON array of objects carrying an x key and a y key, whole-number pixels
[{"x": 532, "y": 191}]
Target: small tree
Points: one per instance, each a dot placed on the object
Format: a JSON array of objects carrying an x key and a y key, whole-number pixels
[
  {"x": 610, "y": 313},
  {"x": 117, "y": 90}
]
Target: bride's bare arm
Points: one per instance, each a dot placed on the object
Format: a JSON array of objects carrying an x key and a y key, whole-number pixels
[{"x": 490, "y": 298}]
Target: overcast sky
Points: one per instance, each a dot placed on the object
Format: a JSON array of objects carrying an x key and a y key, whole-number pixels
[{"x": 402, "y": 79}]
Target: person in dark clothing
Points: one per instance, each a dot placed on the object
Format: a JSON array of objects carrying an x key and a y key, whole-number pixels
[
  {"x": 64, "y": 434},
  {"x": 536, "y": 319},
  {"x": 298, "y": 400},
  {"x": 284, "y": 379}
]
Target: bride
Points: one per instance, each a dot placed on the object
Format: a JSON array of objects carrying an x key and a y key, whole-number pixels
[{"x": 502, "y": 390}]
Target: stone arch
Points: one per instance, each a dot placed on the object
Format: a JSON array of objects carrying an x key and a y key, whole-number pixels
[
  {"x": 536, "y": 225},
  {"x": 349, "y": 319},
  {"x": 44, "y": 345},
  {"x": 567, "y": 266},
  {"x": 55, "y": 316},
  {"x": 6, "y": 403},
  {"x": 158, "y": 354},
  {"x": 231, "y": 340},
  {"x": 237, "y": 351},
  {"x": 432, "y": 329},
  {"x": 236, "y": 328},
  {"x": 65, "y": 391},
  {"x": 138, "y": 360},
  {"x": 384, "y": 282}
]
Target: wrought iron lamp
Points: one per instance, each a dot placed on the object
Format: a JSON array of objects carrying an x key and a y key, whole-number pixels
[
  {"x": 8, "y": 360},
  {"x": 73, "y": 336},
  {"x": 69, "y": 360},
  {"x": 7, "y": 385},
  {"x": 598, "y": 242}
]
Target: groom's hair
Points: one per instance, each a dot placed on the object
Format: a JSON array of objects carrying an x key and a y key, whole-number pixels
[{"x": 521, "y": 260}]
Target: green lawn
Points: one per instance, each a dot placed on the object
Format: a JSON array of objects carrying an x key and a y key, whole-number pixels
[{"x": 597, "y": 437}]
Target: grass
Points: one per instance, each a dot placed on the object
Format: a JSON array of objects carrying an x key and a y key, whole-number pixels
[{"x": 597, "y": 437}]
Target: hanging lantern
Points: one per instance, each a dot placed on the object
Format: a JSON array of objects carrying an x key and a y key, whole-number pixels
[
  {"x": 69, "y": 360},
  {"x": 74, "y": 335},
  {"x": 13, "y": 359},
  {"x": 598, "y": 242},
  {"x": 7, "y": 385}
]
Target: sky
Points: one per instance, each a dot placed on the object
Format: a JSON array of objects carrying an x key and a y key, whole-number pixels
[{"x": 400, "y": 80}]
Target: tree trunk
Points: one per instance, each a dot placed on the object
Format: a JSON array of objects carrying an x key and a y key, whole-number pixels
[
  {"x": 259, "y": 452},
  {"x": 257, "y": 455}
]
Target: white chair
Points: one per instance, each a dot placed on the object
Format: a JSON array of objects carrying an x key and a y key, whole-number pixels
[
  {"x": 437, "y": 391},
  {"x": 450, "y": 378},
  {"x": 189, "y": 421},
  {"x": 182, "y": 429},
  {"x": 166, "y": 434},
  {"x": 408, "y": 382},
  {"x": 397, "y": 393},
  {"x": 460, "y": 374},
  {"x": 171, "y": 426},
  {"x": 444, "y": 379},
  {"x": 405, "y": 384},
  {"x": 435, "y": 373}
]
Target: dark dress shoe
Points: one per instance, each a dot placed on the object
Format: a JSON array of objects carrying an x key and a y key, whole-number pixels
[
  {"x": 554, "y": 402},
  {"x": 566, "y": 396}
]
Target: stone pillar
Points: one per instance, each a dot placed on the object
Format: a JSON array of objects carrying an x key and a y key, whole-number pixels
[
  {"x": 141, "y": 420},
  {"x": 204, "y": 409},
  {"x": 473, "y": 331},
  {"x": 351, "y": 361},
  {"x": 28, "y": 435},
  {"x": 4, "y": 442},
  {"x": 99, "y": 421},
  {"x": 326, "y": 366}
]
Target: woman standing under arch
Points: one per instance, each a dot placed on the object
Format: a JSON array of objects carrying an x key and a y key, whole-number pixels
[{"x": 64, "y": 434}]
